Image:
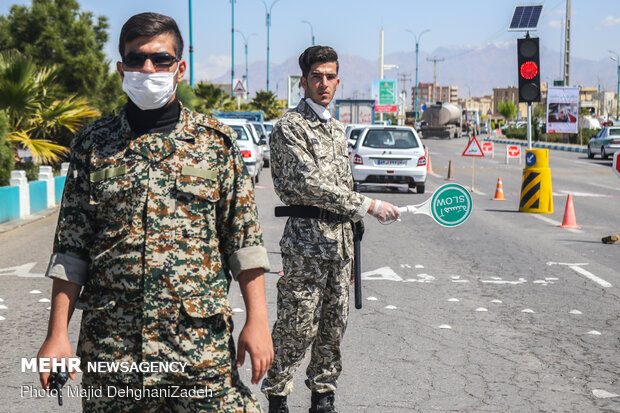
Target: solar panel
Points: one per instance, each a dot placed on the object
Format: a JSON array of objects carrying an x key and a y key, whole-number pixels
[{"x": 526, "y": 18}]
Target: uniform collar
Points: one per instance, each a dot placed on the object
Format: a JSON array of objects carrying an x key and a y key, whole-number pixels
[{"x": 321, "y": 111}]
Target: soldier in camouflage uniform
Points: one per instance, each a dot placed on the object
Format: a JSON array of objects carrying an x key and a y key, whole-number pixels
[
  {"x": 158, "y": 214},
  {"x": 310, "y": 167}
]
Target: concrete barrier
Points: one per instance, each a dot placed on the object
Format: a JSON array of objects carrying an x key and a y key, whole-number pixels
[
  {"x": 38, "y": 196},
  {"x": 46, "y": 174},
  {"x": 18, "y": 179},
  {"x": 9, "y": 203},
  {"x": 59, "y": 186}
]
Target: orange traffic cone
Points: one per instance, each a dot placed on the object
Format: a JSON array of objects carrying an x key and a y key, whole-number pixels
[
  {"x": 429, "y": 165},
  {"x": 569, "y": 220},
  {"x": 499, "y": 191}
]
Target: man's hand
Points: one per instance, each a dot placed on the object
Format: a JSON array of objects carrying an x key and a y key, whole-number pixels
[
  {"x": 55, "y": 348},
  {"x": 256, "y": 340},
  {"x": 255, "y": 337},
  {"x": 384, "y": 211}
]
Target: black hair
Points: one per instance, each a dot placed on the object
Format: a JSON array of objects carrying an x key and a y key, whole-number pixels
[
  {"x": 317, "y": 54},
  {"x": 149, "y": 25}
]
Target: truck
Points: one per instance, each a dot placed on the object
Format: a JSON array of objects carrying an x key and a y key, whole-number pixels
[
  {"x": 444, "y": 121},
  {"x": 358, "y": 111},
  {"x": 471, "y": 121}
]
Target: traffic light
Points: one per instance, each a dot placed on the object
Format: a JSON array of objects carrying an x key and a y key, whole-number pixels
[{"x": 529, "y": 69}]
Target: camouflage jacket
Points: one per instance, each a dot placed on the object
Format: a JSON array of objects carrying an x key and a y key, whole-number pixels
[
  {"x": 159, "y": 220},
  {"x": 310, "y": 166}
]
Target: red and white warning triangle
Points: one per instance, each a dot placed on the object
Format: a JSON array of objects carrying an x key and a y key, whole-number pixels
[{"x": 473, "y": 149}]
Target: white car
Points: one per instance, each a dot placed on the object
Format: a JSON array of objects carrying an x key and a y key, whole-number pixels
[
  {"x": 248, "y": 145},
  {"x": 389, "y": 154}
]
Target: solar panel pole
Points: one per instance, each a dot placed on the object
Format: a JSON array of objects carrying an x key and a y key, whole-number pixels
[{"x": 567, "y": 46}]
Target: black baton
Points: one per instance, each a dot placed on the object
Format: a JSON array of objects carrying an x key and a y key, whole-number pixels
[
  {"x": 56, "y": 380},
  {"x": 358, "y": 231}
]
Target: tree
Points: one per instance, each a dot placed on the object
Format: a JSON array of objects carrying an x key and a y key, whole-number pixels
[
  {"x": 212, "y": 97},
  {"x": 40, "y": 119},
  {"x": 268, "y": 103},
  {"x": 57, "y": 32},
  {"x": 7, "y": 158},
  {"x": 507, "y": 109}
]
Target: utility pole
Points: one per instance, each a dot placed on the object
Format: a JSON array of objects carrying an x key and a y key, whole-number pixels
[
  {"x": 268, "y": 23},
  {"x": 191, "y": 49},
  {"x": 402, "y": 110},
  {"x": 435, "y": 61},
  {"x": 404, "y": 78},
  {"x": 567, "y": 46},
  {"x": 232, "y": 70}
]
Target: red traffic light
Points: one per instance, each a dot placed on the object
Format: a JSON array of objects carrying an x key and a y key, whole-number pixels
[{"x": 529, "y": 70}]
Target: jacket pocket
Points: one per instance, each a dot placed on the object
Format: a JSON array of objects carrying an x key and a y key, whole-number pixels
[{"x": 196, "y": 201}]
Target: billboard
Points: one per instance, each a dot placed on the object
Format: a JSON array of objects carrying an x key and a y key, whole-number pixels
[
  {"x": 295, "y": 91},
  {"x": 355, "y": 110},
  {"x": 562, "y": 109},
  {"x": 385, "y": 95}
]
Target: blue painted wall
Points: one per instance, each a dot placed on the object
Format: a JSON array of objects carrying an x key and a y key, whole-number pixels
[
  {"x": 9, "y": 203},
  {"x": 59, "y": 186},
  {"x": 38, "y": 196}
]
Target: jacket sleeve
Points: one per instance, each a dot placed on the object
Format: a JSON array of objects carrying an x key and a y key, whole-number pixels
[
  {"x": 298, "y": 179},
  {"x": 240, "y": 238},
  {"x": 70, "y": 258}
]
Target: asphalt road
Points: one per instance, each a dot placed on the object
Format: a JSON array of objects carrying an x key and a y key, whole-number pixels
[{"x": 507, "y": 312}]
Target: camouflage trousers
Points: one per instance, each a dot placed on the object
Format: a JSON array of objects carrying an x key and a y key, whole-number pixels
[
  {"x": 209, "y": 383},
  {"x": 313, "y": 308}
]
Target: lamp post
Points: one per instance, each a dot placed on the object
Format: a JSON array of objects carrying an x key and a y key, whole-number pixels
[
  {"x": 417, "y": 50},
  {"x": 232, "y": 69},
  {"x": 617, "y": 60},
  {"x": 268, "y": 22},
  {"x": 191, "y": 49},
  {"x": 245, "y": 42},
  {"x": 311, "y": 29}
]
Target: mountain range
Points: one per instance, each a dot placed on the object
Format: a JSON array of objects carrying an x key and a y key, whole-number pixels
[{"x": 475, "y": 70}]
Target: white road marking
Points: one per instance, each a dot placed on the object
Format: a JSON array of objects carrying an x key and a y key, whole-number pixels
[
  {"x": 418, "y": 266},
  {"x": 21, "y": 271},
  {"x": 497, "y": 301},
  {"x": 238, "y": 310},
  {"x": 577, "y": 268},
  {"x": 528, "y": 310},
  {"x": 1, "y": 300},
  {"x": 35, "y": 292},
  {"x": 604, "y": 186},
  {"x": 453, "y": 300},
  {"x": 603, "y": 394},
  {"x": 460, "y": 281},
  {"x": 44, "y": 300},
  {"x": 582, "y": 194},
  {"x": 520, "y": 281},
  {"x": 2, "y": 318},
  {"x": 3, "y": 307},
  {"x": 390, "y": 307},
  {"x": 371, "y": 298},
  {"x": 445, "y": 327},
  {"x": 594, "y": 333},
  {"x": 481, "y": 309},
  {"x": 422, "y": 278},
  {"x": 383, "y": 273},
  {"x": 576, "y": 312},
  {"x": 555, "y": 223}
]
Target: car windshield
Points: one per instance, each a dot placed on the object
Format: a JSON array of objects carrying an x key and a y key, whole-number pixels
[
  {"x": 268, "y": 127},
  {"x": 242, "y": 135},
  {"x": 614, "y": 131},
  {"x": 355, "y": 133},
  {"x": 390, "y": 139}
]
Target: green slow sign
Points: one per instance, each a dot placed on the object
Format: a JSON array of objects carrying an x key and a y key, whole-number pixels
[{"x": 451, "y": 205}]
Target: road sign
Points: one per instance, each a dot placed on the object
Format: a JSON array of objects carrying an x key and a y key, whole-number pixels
[
  {"x": 239, "y": 88},
  {"x": 617, "y": 163},
  {"x": 513, "y": 151},
  {"x": 530, "y": 158},
  {"x": 449, "y": 206},
  {"x": 473, "y": 149},
  {"x": 487, "y": 146}
]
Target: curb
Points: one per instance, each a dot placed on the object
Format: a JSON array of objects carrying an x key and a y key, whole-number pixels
[
  {"x": 17, "y": 223},
  {"x": 545, "y": 145}
]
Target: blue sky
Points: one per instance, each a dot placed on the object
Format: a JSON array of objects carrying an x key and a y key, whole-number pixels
[{"x": 352, "y": 26}]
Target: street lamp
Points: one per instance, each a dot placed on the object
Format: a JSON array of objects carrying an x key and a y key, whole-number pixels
[
  {"x": 245, "y": 42},
  {"x": 268, "y": 22},
  {"x": 617, "y": 60},
  {"x": 232, "y": 46},
  {"x": 417, "y": 50},
  {"x": 311, "y": 30}
]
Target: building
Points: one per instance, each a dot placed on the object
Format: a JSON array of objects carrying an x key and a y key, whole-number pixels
[
  {"x": 511, "y": 94},
  {"x": 484, "y": 104},
  {"x": 429, "y": 93}
]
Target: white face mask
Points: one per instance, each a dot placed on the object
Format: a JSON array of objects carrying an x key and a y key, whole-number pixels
[{"x": 149, "y": 90}]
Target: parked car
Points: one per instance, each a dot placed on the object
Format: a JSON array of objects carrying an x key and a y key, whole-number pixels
[
  {"x": 263, "y": 139},
  {"x": 484, "y": 127},
  {"x": 248, "y": 145},
  {"x": 605, "y": 143},
  {"x": 269, "y": 124},
  {"x": 389, "y": 154},
  {"x": 353, "y": 133}
]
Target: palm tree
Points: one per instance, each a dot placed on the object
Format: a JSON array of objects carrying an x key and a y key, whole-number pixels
[
  {"x": 212, "y": 97},
  {"x": 267, "y": 102},
  {"x": 37, "y": 115}
]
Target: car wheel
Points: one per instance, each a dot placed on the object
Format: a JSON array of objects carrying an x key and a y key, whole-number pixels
[
  {"x": 419, "y": 188},
  {"x": 590, "y": 154},
  {"x": 603, "y": 154}
]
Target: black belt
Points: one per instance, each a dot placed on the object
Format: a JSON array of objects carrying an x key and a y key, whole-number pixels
[{"x": 305, "y": 211}]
